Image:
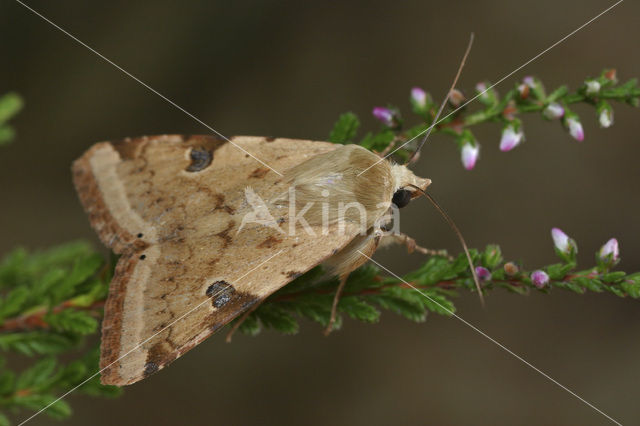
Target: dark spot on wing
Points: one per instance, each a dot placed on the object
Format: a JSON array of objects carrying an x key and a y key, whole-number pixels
[
  {"x": 269, "y": 242},
  {"x": 150, "y": 368},
  {"x": 293, "y": 274},
  {"x": 225, "y": 234},
  {"x": 220, "y": 293},
  {"x": 143, "y": 257},
  {"x": 158, "y": 355},
  {"x": 259, "y": 172},
  {"x": 220, "y": 205},
  {"x": 126, "y": 148},
  {"x": 200, "y": 159}
]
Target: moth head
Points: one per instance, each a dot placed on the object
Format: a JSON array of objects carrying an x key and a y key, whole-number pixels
[{"x": 405, "y": 183}]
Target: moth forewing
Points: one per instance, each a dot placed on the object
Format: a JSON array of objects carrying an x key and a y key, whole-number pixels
[{"x": 173, "y": 206}]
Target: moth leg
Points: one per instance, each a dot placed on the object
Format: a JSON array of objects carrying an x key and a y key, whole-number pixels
[
  {"x": 410, "y": 243},
  {"x": 334, "y": 307},
  {"x": 242, "y": 319}
]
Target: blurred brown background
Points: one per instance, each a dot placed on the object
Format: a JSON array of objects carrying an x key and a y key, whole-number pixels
[{"x": 289, "y": 69}]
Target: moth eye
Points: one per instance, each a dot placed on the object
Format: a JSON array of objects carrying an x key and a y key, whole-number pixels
[{"x": 401, "y": 198}]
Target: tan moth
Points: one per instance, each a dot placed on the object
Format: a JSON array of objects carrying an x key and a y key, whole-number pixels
[{"x": 175, "y": 207}]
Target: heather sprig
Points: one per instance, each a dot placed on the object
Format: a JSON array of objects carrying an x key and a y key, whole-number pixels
[
  {"x": 526, "y": 97},
  {"x": 439, "y": 279}
]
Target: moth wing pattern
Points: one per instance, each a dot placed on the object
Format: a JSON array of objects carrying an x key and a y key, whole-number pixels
[{"x": 171, "y": 206}]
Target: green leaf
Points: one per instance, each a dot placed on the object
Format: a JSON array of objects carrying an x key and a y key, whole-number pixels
[
  {"x": 345, "y": 128},
  {"x": 39, "y": 372},
  {"x": 358, "y": 309},
  {"x": 570, "y": 286},
  {"x": 7, "y": 382},
  {"x": 613, "y": 277},
  {"x": 37, "y": 342},
  {"x": 250, "y": 326},
  {"x": 59, "y": 409},
  {"x": 410, "y": 310},
  {"x": 558, "y": 271},
  {"x": 278, "y": 319},
  {"x": 13, "y": 302},
  {"x": 73, "y": 321},
  {"x": 83, "y": 269},
  {"x": 439, "y": 304},
  {"x": 557, "y": 94},
  {"x": 589, "y": 283},
  {"x": 631, "y": 287},
  {"x": 10, "y": 105},
  {"x": 379, "y": 141},
  {"x": 6, "y": 134}
]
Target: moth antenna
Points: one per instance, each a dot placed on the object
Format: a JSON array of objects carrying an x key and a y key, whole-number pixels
[
  {"x": 444, "y": 102},
  {"x": 460, "y": 237}
]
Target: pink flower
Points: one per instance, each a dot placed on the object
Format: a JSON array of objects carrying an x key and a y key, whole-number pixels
[
  {"x": 483, "y": 273},
  {"x": 481, "y": 87},
  {"x": 575, "y": 129},
  {"x": 418, "y": 97},
  {"x": 553, "y": 111},
  {"x": 560, "y": 240},
  {"x": 469, "y": 155},
  {"x": 385, "y": 116},
  {"x": 539, "y": 278},
  {"x": 510, "y": 138},
  {"x": 610, "y": 251},
  {"x": 529, "y": 81}
]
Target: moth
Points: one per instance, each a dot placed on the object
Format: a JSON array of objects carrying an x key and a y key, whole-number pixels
[
  {"x": 171, "y": 206},
  {"x": 174, "y": 208}
]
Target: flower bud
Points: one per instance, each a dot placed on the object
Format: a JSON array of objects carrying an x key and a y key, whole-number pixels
[
  {"x": 592, "y": 87},
  {"x": 418, "y": 98},
  {"x": 539, "y": 278},
  {"x": 511, "y": 269},
  {"x": 565, "y": 247},
  {"x": 605, "y": 118},
  {"x": 456, "y": 98},
  {"x": 611, "y": 75},
  {"x": 386, "y": 116},
  {"x": 560, "y": 240},
  {"x": 575, "y": 128},
  {"x": 469, "y": 155},
  {"x": 605, "y": 114},
  {"x": 553, "y": 111},
  {"x": 486, "y": 94},
  {"x": 483, "y": 273},
  {"x": 529, "y": 81},
  {"x": 524, "y": 90},
  {"x": 510, "y": 138},
  {"x": 609, "y": 253}
]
